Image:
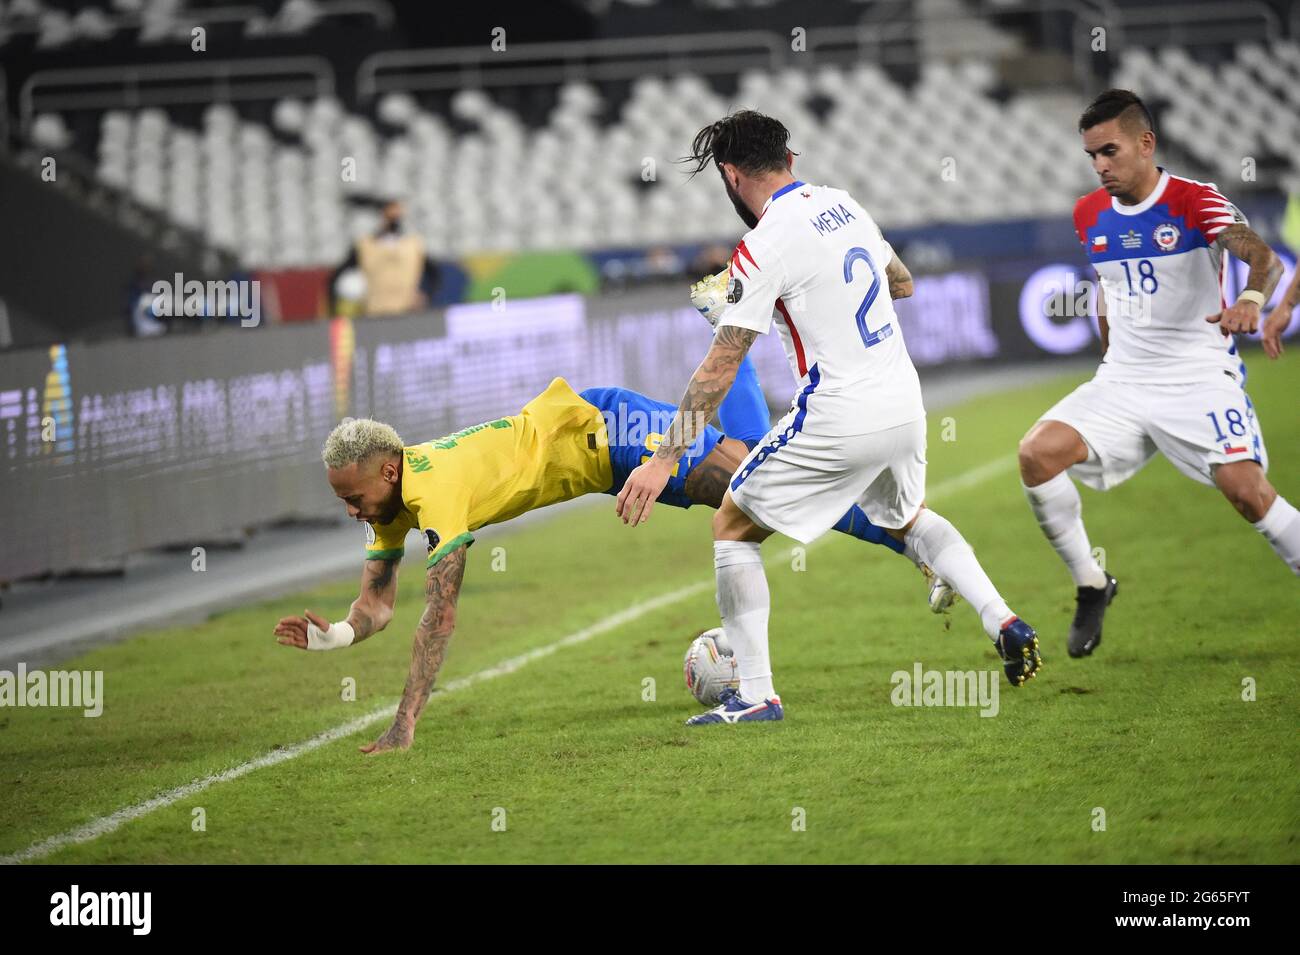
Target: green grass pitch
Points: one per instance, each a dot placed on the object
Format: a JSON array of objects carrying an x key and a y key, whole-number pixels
[{"x": 565, "y": 751}]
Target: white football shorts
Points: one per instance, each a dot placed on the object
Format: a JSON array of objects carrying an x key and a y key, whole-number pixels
[
  {"x": 1197, "y": 427},
  {"x": 800, "y": 484}
]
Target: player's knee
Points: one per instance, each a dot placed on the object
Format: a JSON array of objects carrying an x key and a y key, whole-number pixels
[
  {"x": 1034, "y": 465},
  {"x": 723, "y": 522},
  {"x": 731, "y": 523},
  {"x": 1247, "y": 490},
  {"x": 1046, "y": 451}
]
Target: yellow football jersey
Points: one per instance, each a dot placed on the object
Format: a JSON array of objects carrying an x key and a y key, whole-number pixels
[{"x": 556, "y": 449}]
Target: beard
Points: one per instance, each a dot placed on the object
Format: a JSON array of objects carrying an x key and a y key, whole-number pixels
[{"x": 742, "y": 210}]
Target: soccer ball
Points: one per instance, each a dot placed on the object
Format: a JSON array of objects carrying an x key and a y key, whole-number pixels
[{"x": 710, "y": 667}]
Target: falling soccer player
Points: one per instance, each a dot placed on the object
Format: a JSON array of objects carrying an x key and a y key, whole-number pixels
[
  {"x": 561, "y": 446},
  {"x": 1170, "y": 379}
]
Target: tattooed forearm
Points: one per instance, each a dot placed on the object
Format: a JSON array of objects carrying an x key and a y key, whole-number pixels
[
  {"x": 708, "y": 386},
  {"x": 900, "y": 279},
  {"x": 432, "y": 635},
  {"x": 382, "y": 576},
  {"x": 1265, "y": 267},
  {"x": 373, "y": 608},
  {"x": 363, "y": 625}
]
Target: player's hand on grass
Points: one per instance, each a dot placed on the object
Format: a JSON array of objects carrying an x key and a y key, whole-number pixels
[
  {"x": 1274, "y": 326},
  {"x": 292, "y": 631},
  {"x": 1242, "y": 317},
  {"x": 643, "y": 487},
  {"x": 398, "y": 736}
]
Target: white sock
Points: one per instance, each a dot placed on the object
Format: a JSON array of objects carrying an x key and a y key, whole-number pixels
[
  {"x": 1281, "y": 528},
  {"x": 910, "y": 553},
  {"x": 941, "y": 545},
  {"x": 744, "y": 603},
  {"x": 1059, "y": 510}
]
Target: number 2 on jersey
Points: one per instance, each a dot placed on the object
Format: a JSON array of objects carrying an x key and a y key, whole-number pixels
[{"x": 869, "y": 338}]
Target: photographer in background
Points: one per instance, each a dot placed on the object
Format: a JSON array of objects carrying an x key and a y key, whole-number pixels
[{"x": 399, "y": 275}]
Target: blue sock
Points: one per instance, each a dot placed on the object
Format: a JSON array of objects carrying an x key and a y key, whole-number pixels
[
  {"x": 856, "y": 524},
  {"x": 743, "y": 413}
]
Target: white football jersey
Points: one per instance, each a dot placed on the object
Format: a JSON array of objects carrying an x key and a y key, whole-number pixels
[
  {"x": 815, "y": 264},
  {"x": 1162, "y": 273}
]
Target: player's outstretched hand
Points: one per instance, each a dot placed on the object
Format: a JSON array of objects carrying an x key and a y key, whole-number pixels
[
  {"x": 1242, "y": 317},
  {"x": 399, "y": 736},
  {"x": 643, "y": 487},
  {"x": 1274, "y": 326},
  {"x": 292, "y": 631}
]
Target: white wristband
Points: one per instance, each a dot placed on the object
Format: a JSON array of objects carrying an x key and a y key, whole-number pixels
[
  {"x": 338, "y": 635},
  {"x": 1250, "y": 295}
]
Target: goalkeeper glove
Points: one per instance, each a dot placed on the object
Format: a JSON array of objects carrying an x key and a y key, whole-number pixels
[{"x": 709, "y": 295}]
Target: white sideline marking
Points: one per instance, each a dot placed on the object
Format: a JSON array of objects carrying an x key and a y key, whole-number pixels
[{"x": 106, "y": 824}]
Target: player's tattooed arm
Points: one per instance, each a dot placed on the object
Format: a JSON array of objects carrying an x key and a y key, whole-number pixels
[
  {"x": 1265, "y": 267},
  {"x": 432, "y": 635},
  {"x": 370, "y": 613},
  {"x": 900, "y": 279},
  {"x": 708, "y": 386},
  {"x": 373, "y": 608},
  {"x": 1265, "y": 271}
]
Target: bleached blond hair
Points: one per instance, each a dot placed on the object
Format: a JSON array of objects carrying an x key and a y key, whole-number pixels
[{"x": 355, "y": 440}]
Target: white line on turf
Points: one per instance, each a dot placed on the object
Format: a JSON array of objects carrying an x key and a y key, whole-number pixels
[{"x": 106, "y": 824}]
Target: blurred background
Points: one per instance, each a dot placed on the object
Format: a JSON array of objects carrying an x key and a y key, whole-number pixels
[{"x": 422, "y": 214}]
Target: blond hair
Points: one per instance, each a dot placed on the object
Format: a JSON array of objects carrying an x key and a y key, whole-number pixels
[{"x": 355, "y": 440}]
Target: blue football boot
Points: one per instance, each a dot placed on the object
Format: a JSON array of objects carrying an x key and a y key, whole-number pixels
[
  {"x": 1017, "y": 644},
  {"x": 735, "y": 710}
]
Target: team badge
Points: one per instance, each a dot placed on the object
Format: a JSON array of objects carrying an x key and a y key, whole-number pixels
[
  {"x": 1166, "y": 236},
  {"x": 433, "y": 539},
  {"x": 735, "y": 289}
]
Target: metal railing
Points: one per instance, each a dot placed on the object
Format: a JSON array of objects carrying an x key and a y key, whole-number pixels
[
  {"x": 1199, "y": 24},
  {"x": 892, "y": 35},
  {"x": 546, "y": 63},
  {"x": 131, "y": 87},
  {"x": 886, "y": 34}
]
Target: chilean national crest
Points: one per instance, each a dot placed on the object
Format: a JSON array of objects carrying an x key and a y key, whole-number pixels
[{"x": 1166, "y": 236}]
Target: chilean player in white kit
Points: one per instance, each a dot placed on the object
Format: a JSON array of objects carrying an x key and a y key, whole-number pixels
[
  {"x": 816, "y": 263},
  {"x": 1170, "y": 379}
]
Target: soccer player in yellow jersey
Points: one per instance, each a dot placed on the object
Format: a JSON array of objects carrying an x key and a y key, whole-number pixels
[{"x": 561, "y": 446}]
